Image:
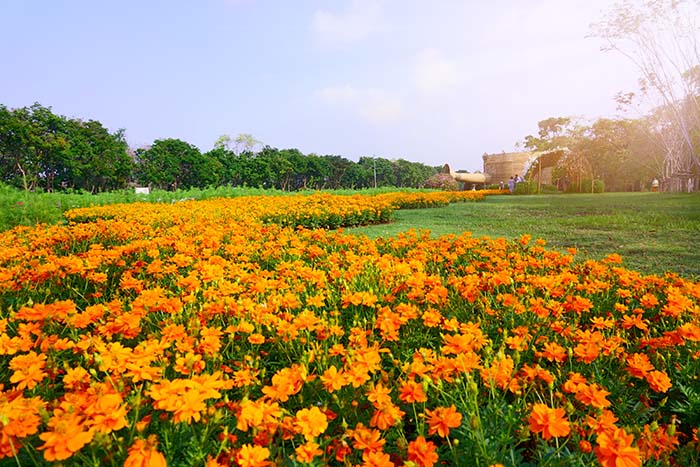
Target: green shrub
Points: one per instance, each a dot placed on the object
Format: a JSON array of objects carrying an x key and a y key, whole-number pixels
[
  {"x": 532, "y": 188},
  {"x": 598, "y": 186},
  {"x": 525, "y": 188},
  {"x": 546, "y": 189}
]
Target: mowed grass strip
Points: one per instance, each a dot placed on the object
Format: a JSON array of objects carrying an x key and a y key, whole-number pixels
[{"x": 653, "y": 232}]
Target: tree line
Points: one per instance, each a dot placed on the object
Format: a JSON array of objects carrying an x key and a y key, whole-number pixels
[
  {"x": 660, "y": 37},
  {"x": 39, "y": 149},
  {"x": 42, "y": 150},
  {"x": 619, "y": 154}
]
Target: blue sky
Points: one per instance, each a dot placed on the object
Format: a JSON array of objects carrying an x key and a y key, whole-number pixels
[{"x": 437, "y": 82}]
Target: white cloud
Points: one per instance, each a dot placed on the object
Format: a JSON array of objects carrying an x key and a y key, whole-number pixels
[
  {"x": 357, "y": 22},
  {"x": 371, "y": 105},
  {"x": 433, "y": 73}
]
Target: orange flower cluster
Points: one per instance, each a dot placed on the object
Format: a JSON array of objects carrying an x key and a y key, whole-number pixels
[{"x": 234, "y": 332}]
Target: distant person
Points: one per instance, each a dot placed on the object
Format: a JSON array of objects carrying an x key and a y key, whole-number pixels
[
  {"x": 511, "y": 184},
  {"x": 500, "y": 185},
  {"x": 518, "y": 179},
  {"x": 655, "y": 185}
]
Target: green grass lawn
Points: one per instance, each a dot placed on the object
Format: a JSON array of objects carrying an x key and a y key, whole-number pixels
[{"x": 653, "y": 232}]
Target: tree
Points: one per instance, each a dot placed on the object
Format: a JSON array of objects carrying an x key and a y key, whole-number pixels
[
  {"x": 559, "y": 140},
  {"x": 17, "y": 167},
  {"x": 39, "y": 149},
  {"x": 661, "y": 38},
  {"x": 243, "y": 142},
  {"x": 379, "y": 167},
  {"x": 623, "y": 153},
  {"x": 318, "y": 172},
  {"x": 95, "y": 159},
  {"x": 554, "y": 134},
  {"x": 172, "y": 163},
  {"x": 229, "y": 165},
  {"x": 338, "y": 167},
  {"x": 605, "y": 145}
]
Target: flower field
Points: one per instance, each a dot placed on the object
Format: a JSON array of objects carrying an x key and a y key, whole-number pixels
[{"x": 247, "y": 331}]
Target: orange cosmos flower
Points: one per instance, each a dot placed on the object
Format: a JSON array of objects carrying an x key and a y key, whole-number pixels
[
  {"x": 519, "y": 343},
  {"x": 575, "y": 383},
  {"x": 469, "y": 341},
  {"x": 180, "y": 397},
  {"x": 615, "y": 449},
  {"x": 340, "y": 449},
  {"x": 638, "y": 365},
  {"x": 76, "y": 377},
  {"x": 332, "y": 379},
  {"x": 500, "y": 373},
  {"x": 593, "y": 395},
  {"x": 389, "y": 324},
  {"x": 186, "y": 398},
  {"x": 366, "y": 439},
  {"x": 585, "y": 446},
  {"x": 285, "y": 382},
  {"x": 467, "y": 362},
  {"x": 612, "y": 258},
  {"x": 359, "y": 298},
  {"x": 657, "y": 442},
  {"x": 676, "y": 303},
  {"x": 636, "y": 321},
  {"x": 431, "y": 318},
  {"x": 658, "y": 381},
  {"x": 311, "y": 422},
  {"x": 689, "y": 331},
  {"x": 28, "y": 370},
  {"x": 245, "y": 377},
  {"x": 128, "y": 281},
  {"x": 601, "y": 323},
  {"x": 144, "y": 453},
  {"x": 256, "y": 414},
  {"x": 20, "y": 418},
  {"x": 649, "y": 301},
  {"x": 256, "y": 339},
  {"x": 577, "y": 304},
  {"x": 442, "y": 419},
  {"x": 213, "y": 462},
  {"x": 422, "y": 452},
  {"x": 184, "y": 364},
  {"x": 551, "y": 423},
  {"x": 107, "y": 413},
  {"x": 586, "y": 351},
  {"x": 604, "y": 423},
  {"x": 376, "y": 459},
  {"x": 316, "y": 301},
  {"x": 306, "y": 452},
  {"x": 253, "y": 456},
  {"x": 411, "y": 392},
  {"x": 367, "y": 359},
  {"x": 386, "y": 416},
  {"x": 379, "y": 396},
  {"x": 65, "y": 436},
  {"x": 357, "y": 376}
]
